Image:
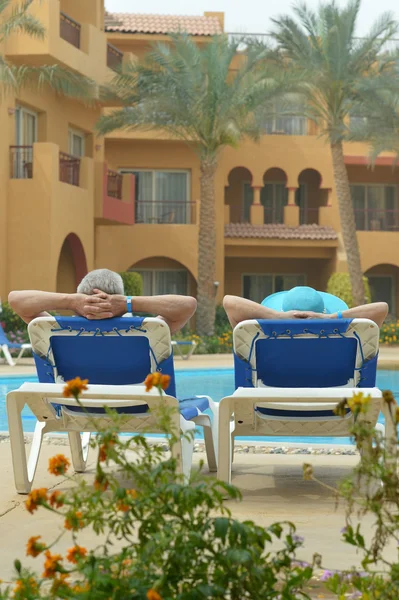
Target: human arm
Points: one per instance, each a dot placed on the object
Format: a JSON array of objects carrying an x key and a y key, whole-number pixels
[
  {"x": 173, "y": 309},
  {"x": 29, "y": 304},
  {"x": 240, "y": 309},
  {"x": 376, "y": 311}
]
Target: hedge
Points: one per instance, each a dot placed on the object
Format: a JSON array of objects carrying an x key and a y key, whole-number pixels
[
  {"x": 339, "y": 285},
  {"x": 133, "y": 283}
]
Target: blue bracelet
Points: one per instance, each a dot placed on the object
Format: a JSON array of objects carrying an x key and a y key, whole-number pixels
[
  {"x": 339, "y": 315},
  {"x": 129, "y": 304}
]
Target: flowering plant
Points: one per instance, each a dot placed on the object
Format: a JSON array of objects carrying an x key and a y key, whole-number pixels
[{"x": 160, "y": 539}]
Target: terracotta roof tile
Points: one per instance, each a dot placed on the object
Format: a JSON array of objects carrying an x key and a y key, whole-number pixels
[
  {"x": 153, "y": 24},
  {"x": 279, "y": 232}
]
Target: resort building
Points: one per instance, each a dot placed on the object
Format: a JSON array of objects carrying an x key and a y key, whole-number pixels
[{"x": 72, "y": 201}]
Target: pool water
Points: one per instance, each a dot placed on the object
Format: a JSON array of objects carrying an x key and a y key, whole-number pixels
[{"x": 215, "y": 383}]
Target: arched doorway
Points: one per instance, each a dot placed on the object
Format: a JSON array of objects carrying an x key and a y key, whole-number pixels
[
  {"x": 239, "y": 195},
  {"x": 384, "y": 285},
  {"x": 163, "y": 275},
  {"x": 309, "y": 197},
  {"x": 72, "y": 265},
  {"x": 274, "y": 195}
]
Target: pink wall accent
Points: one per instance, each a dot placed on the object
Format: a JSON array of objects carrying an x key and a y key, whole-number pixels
[
  {"x": 382, "y": 161},
  {"x": 115, "y": 209},
  {"x": 79, "y": 257}
]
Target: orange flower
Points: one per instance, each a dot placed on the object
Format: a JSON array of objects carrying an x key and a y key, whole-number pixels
[
  {"x": 33, "y": 548},
  {"x": 74, "y": 521},
  {"x": 79, "y": 588},
  {"x": 75, "y": 553},
  {"x": 60, "y": 582},
  {"x": 75, "y": 387},
  {"x": 51, "y": 564},
  {"x": 165, "y": 380},
  {"x": 25, "y": 587},
  {"x": 56, "y": 499},
  {"x": 156, "y": 380},
  {"x": 102, "y": 456},
  {"x": 35, "y": 499},
  {"x": 132, "y": 493},
  {"x": 101, "y": 483},
  {"x": 153, "y": 595},
  {"x": 58, "y": 465}
]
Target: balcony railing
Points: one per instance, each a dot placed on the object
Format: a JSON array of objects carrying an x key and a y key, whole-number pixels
[
  {"x": 114, "y": 57},
  {"x": 165, "y": 213},
  {"x": 70, "y": 30},
  {"x": 69, "y": 169},
  {"x": 21, "y": 162},
  {"x": 274, "y": 215},
  {"x": 377, "y": 220},
  {"x": 114, "y": 184}
]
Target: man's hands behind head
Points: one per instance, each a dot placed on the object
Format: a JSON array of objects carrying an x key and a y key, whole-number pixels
[{"x": 96, "y": 306}]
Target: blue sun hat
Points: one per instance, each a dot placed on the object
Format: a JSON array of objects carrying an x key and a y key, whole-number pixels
[{"x": 305, "y": 298}]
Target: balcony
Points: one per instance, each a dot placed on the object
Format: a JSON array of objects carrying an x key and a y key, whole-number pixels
[
  {"x": 166, "y": 213},
  {"x": 114, "y": 57},
  {"x": 69, "y": 168},
  {"x": 21, "y": 162},
  {"x": 377, "y": 220},
  {"x": 79, "y": 46},
  {"x": 70, "y": 30},
  {"x": 115, "y": 196}
]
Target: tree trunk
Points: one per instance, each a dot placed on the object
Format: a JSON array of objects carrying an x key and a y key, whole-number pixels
[
  {"x": 207, "y": 249},
  {"x": 348, "y": 224}
]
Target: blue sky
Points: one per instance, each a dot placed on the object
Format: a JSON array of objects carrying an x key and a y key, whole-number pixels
[{"x": 249, "y": 16}]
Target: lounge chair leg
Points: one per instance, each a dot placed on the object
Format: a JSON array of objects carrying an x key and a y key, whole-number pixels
[
  {"x": 79, "y": 449},
  {"x": 24, "y": 472},
  {"x": 224, "y": 443},
  {"x": 210, "y": 449},
  {"x": 7, "y": 355}
]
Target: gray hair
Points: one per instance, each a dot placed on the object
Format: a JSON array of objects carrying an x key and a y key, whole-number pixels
[{"x": 101, "y": 279}]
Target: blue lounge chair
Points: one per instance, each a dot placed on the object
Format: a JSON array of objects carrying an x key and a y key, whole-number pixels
[
  {"x": 115, "y": 355},
  {"x": 6, "y": 346},
  {"x": 289, "y": 376}
]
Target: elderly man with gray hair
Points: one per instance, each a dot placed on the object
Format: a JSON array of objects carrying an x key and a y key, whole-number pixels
[{"x": 100, "y": 295}]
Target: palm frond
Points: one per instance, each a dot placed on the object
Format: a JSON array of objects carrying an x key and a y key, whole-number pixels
[{"x": 20, "y": 20}]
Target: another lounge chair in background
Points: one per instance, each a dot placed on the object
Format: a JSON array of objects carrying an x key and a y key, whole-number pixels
[
  {"x": 178, "y": 345},
  {"x": 290, "y": 375},
  {"x": 6, "y": 346},
  {"x": 115, "y": 355}
]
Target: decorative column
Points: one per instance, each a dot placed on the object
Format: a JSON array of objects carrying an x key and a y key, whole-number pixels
[
  {"x": 291, "y": 210},
  {"x": 257, "y": 209}
]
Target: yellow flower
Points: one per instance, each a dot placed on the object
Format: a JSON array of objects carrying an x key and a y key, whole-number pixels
[
  {"x": 35, "y": 499},
  {"x": 52, "y": 564},
  {"x": 58, "y": 465},
  {"x": 307, "y": 472},
  {"x": 33, "y": 547},
  {"x": 76, "y": 553},
  {"x": 359, "y": 402},
  {"x": 153, "y": 595},
  {"x": 388, "y": 397},
  {"x": 25, "y": 587}
]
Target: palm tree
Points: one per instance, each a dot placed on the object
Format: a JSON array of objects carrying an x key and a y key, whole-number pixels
[
  {"x": 193, "y": 93},
  {"x": 16, "y": 18},
  {"x": 335, "y": 69}
]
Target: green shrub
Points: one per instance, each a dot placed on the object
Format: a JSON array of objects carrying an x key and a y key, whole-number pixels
[
  {"x": 339, "y": 285},
  {"x": 222, "y": 324},
  {"x": 14, "y": 326},
  {"x": 133, "y": 283}
]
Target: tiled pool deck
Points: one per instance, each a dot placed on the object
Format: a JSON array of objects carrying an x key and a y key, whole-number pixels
[{"x": 272, "y": 486}]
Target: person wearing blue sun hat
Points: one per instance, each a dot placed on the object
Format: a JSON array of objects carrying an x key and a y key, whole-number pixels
[{"x": 301, "y": 302}]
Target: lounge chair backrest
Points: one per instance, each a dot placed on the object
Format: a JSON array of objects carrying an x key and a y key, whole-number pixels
[
  {"x": 117, "y": 351},
  {"x": 308, "y": 353}
]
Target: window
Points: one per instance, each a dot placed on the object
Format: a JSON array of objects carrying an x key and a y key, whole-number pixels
[
  {"x": 257, "y": 287},
  {"x": 162, "y": 196},
  {"x": 285, "y": 123},
  {"x": 274, "y": 196},
  {"x": 301, "y": 200},
  {"x": 376, "y": 207},
  {"x": 382, "y": 290},
  {"x": 163, "y": 281},
  {"x": 76, "y": 143},
  {"x": 25, "y": 137}
]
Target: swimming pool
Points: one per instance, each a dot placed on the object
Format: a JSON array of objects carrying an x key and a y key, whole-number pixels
[{"x": 216, "y": 383}]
